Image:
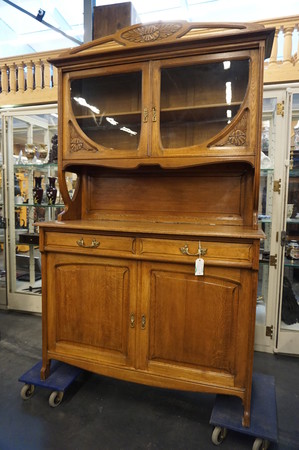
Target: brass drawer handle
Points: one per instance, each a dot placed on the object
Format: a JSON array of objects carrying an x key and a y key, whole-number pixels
[
  {"x": 94, "y": 243},
  {"x": 145, "y": 115},
  {"x": 143, "y": 322},
  {"x": 185, "y": 251},
  {"x": 132, "y": 320},
  {"x": 154, "y": 114}
]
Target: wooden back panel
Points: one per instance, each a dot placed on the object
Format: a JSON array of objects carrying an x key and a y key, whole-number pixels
[{"x": 193, "y": 195}]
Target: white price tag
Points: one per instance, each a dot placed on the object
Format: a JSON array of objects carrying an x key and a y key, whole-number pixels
[{"x": 199, "y": 266}]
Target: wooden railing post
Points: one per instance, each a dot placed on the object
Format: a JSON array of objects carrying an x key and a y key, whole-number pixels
[
  {"x": 47, "y": 74},
  {"x": 21, "y": 78},
  {"x": 12, "y": 78},
  {"x": 54, "y": 77},
  {"x": 38, "y": 74},
  {"x": 4, "y": 79},
  {"x": 287, "y": 45},
  {"x": 297, "y": 54},
  {"x": 273, "y": 57},
  {"x": 30, "y": 80}
]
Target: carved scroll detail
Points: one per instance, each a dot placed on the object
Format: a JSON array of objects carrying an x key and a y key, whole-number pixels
[
  {"x": 77, "y": 144},
  {"x": 150, "y": 33}
]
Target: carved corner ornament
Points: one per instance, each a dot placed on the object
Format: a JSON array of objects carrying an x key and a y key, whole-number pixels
[
  {"x": 77, "y": 144},
  {"x": 151, "y": 32},
  {"x": 238, "y": 134}
]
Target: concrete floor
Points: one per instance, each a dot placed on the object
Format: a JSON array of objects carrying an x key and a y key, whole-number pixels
[{"x": 99, "y": 413}]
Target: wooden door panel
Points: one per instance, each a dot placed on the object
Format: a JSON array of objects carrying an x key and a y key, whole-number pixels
[
  {"x": 193, "y": 320},
  {"x": 90, "y": 305}
]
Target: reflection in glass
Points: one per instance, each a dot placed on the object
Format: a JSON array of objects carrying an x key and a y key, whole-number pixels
[
  {"x": 290, "y": 295},
  {"x": 195, "y": 99},
  {"x": 108, "y": 109},
  {"x": 266, "y": 205}
]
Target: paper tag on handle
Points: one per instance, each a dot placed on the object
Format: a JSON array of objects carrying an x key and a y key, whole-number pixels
[{"x": 199, "y": 266}]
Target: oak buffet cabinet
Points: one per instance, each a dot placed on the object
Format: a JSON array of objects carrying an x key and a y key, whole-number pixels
[{"x": 161, "y": 123}]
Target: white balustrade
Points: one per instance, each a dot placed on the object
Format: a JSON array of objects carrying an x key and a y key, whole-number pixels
[
  {"x": 28, "y": 79},
  {"x": 31, "y": 79}
]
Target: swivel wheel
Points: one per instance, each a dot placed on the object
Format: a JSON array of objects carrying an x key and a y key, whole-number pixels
[
  {"x": 55, "y": 398},
  {"x": 260, "y": 444},
  {"x": 218, "y": 435},
  {"x": 27, "y": 391}
]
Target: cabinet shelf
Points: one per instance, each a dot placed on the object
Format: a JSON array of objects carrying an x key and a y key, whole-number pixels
[
  {"x": 266, "y": 172},
  {"x": 38, "y": 205},
  {"x": 291, "y": 263},
  {"x": 35, "y": 166},
  {"x": 265, "y": 219}
]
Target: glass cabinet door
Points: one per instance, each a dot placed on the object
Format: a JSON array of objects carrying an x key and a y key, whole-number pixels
[
  {"x": 268, "y": 284},
  {"x": 110, "y": 111},
  {"x": 277, "y": 318},
  {"x": 198, "y": 100},
  {"x": 32, "y": 195},
  {"x": 2, "y": 230},
  {"x": 288, "y": 336}
]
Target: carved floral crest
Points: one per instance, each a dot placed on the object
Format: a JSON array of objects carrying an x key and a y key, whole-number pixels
[
  {"x": 77, "y": 144},
  {"x": 238, "y": 135},
  {"x": 153, "y": 32}
]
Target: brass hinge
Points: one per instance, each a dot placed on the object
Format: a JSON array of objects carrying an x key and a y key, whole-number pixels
[
  {"x": 273, "y": 261},
  {"x": 280, "y": 109},
  {"x": 269, "y": 331},
  {"x": 277, "y": 185}
]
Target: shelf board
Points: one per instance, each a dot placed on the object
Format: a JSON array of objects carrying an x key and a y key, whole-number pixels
[
  {"x": 265, "y": 172},
  {"x": 37, "y": 205},
  {"x": 35, "y": 166},
  {"x": 265, "y": 219},
  {"x": 291, "y": 263}
]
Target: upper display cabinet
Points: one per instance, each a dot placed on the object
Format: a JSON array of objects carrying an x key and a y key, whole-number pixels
[{"x": 194, "y": 100}]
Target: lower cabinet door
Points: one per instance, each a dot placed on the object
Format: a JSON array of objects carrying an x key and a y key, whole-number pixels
[
  {"x": 89, "y": 304},
  {"x": 197, "y": 327}
]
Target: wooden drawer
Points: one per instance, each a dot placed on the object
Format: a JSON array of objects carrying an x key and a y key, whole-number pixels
[
  {"x": 88, "y": 242},
  {"x": 187, "y": 250}
]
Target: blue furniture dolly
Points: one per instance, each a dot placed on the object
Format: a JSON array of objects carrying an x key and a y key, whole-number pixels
[
  {"x": 61, "y": 377},
  {"x": 228, "y": 411}
]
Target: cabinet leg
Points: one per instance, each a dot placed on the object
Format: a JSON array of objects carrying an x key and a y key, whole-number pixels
[
  {"x": 45, "y": 370},
  {"x": 246, "y": 415}
]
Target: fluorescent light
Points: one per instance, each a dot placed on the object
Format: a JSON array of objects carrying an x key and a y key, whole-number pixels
[
  {"x": 111, "y": 120},
  {"x": 83, "y": 102},
  {"x": 228, "y": 92},
  {"x": 226, "y": 65},
  {"x": 127, "y": 130}
]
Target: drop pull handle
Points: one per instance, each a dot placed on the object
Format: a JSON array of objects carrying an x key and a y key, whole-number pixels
[
  {"x": 185, "y": 251},
  {"x": 154, "y": 114},
  {"x": 143, "y": 322},
  {"x": 145, "y": 115},
  {"x": 132, "y": 320},
  {"x": 94, "y": 243}
]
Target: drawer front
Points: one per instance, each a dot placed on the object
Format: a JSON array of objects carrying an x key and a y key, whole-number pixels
[
  {"x": 91, "y": 243},
  {"x": 187, "y": 250}
]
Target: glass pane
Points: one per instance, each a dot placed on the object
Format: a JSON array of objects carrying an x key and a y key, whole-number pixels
[
  {"x": 108, "y": 109},
  {"x": 265, "y": 204},
  {"x": 290, "y": 296},
  {"x": 198, "y": 101},
  {"x": 33, "y": 195},
  {"x": 2, "y": 236}
]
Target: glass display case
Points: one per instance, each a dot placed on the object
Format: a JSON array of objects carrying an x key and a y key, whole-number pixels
[
  {"x": 2, "y": 236},
  {"x": 289, "y": 305},
  {"x": 29, "y": 141},
  {"x": 277, "y": 318}
]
